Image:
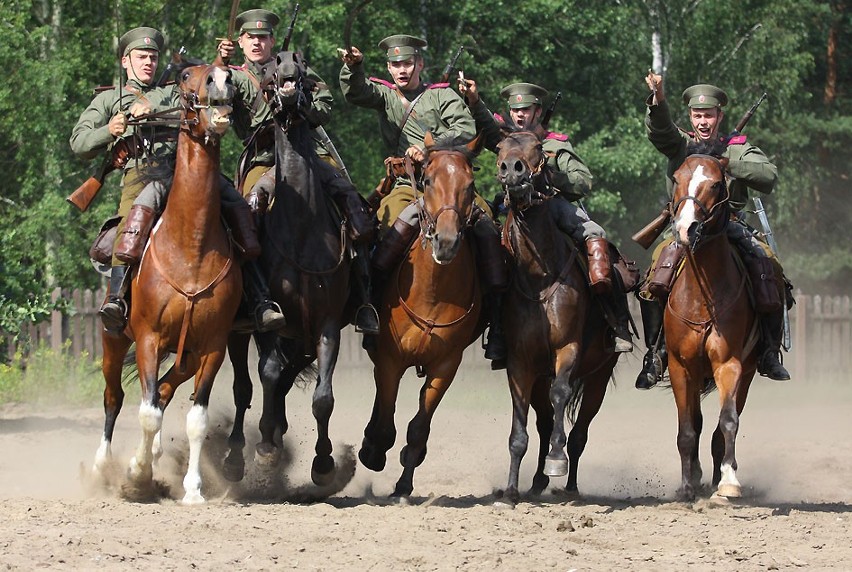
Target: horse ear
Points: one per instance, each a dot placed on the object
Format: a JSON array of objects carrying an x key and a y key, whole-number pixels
[
  {"x": 475, "y": 145},
  {"x": 428, "y": 140},
  {"x": 724, "y": 161},
  {"x": 505, "y": 128}
]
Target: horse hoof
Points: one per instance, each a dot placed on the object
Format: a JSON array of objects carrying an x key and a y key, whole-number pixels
[
  {"x": 555, "y": 467},
  {"x": 322, "y": 471},
  {"x": 192, "y": 498},
  {"x": 371, "y": 459},
  {"x": 233, "y": 471},
  {"x": 729, "y": 491},
  {"x": 267, "y": 455},
  {"x": 685, "y": 494}
]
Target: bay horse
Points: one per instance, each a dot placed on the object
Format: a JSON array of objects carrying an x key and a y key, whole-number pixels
[
  {"x": 430, "y": 312},
  {"x": 560, "y": 355},
  {"x": 710, "y": 324},
  {"x": 305, "y": 251},
  {"x": 187, "y": 288}
]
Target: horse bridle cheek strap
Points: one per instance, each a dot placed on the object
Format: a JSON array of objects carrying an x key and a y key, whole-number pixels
[{"x": 190, "y": 297}]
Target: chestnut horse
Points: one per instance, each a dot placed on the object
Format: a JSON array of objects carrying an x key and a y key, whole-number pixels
[
  {"x": 187, "y": 288},
  {"x": 710, "y": 324},
  {"x": 560, "y": 354},
  {"x": 430, "y": 312},
  {"x": 306, "y": 254}
]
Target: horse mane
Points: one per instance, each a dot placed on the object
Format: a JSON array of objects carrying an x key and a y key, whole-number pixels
[
  {"x": 716, "y": 148},
  {"x": 457, "y": 143}
]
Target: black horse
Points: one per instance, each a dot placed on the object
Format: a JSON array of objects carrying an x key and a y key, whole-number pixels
[{"x": 306, "y": 254}]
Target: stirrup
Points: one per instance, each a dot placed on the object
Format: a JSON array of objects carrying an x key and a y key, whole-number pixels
[
  {"x": 367, "y": 320},
  {"x": 113, "y": 314},
  {"x": 268, "y": 316}
]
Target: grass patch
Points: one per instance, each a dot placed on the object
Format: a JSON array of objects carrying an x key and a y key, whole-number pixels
[{"x": 48, "y": 377}]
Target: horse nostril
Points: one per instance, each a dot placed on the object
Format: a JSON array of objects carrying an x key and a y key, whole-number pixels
[{"x": 519, "y": 166}]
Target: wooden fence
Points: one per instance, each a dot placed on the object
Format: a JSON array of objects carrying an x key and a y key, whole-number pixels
[{"x": 821, "y": 335}]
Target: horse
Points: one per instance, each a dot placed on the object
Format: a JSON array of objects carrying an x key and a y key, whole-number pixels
[
  {"x": 186, "y": 289},
  {"x": 560, "y": 354},
  {"x": 430, "y": 310},
  {"x": 710, "y": 324},
  {"x": 305, "y": 249}
]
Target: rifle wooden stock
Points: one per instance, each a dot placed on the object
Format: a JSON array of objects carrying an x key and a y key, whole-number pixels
[
  {"x": 649, "y": 233},
  {"x": 85, "y": 193}
]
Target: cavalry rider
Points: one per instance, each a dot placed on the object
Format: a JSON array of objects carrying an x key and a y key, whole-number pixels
[
  {"x": 407, "y": 109},
  {"x": 748, "y": 168},
  {"x": 103, "y": 125},
  {"x": 253, "y": 123},
  {"x": 570, "y": 179}
]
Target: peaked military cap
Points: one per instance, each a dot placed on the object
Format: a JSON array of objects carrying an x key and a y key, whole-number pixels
[
  {"x": 258, "y": 22},
  {"x": 141, "y": 39},
  {"x": 704, "y": 96},
  {"x": 402, "y": 47},
  {"x": 520, "y": 95}
]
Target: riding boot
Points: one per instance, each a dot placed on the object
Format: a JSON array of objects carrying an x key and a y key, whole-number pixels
[
  {"x": 366, "y": 316},
  {"x": 239, "y": 217},
  {"x": 266, "y": 313},
  {"x": 134, "y": 237},
  {"x": 599, "y": 266},
  {"x": 387, "y": 255},
  {"x": 615, "y": 305},
  {"x": 495, "y": 345},
  {"x": 655, "y": 360},
  {"x": 114, "y": 310},
  {"x": 490, "y": 255},
  {"x": 769, "y": 363}
]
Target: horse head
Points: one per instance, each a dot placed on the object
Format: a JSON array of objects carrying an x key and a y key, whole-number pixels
[
  {"x": 700, "y": 205},
  {"x": 287, "y": 86},
  {"x": 521, "y": 167},
  {"x": 448, "y": 190},
  {"x": 206, "y": 95}
]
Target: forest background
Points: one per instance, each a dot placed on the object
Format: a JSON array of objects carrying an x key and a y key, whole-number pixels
[{"x": 595, "y": 53}]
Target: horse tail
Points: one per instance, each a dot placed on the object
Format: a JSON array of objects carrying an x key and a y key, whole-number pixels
[{"x": 129, "y": 369}]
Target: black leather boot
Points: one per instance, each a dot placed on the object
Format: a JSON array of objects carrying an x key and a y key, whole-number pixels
[
  {"x": 656, "y": 358},
  {"x": 366, "y": 316},
  {"x": 114, "y": 311},
  {"x": 495, "y": 344},
  {"x": 769, "y": 363},
  {"x": 623, "y": 341},
  {"x": 266, "y": 312}
]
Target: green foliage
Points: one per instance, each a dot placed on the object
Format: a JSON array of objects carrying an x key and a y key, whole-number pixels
[{"x": 595, "y": 53}]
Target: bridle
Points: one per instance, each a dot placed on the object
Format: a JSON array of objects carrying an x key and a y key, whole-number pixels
[
  {"x": 709, "y": 216},
  {"x": 276, "y": 101},
  {"x": 428, "y": 220}
]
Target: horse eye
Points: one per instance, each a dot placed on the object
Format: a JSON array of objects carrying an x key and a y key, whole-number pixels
[
  {"x": 185, "y": 76},
  {"x": 427, "y": 182}
]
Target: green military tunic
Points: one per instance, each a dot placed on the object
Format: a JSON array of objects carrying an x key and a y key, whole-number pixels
[
  {"x": 439, "y": 110},
  {"x": 748, "y": 166},
  {"x": 569, "y": 174}
]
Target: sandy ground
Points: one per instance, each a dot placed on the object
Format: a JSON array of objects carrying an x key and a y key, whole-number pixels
[{"x": 794, "y": 454}]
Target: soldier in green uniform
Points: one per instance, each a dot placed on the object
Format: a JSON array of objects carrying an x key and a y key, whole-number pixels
[
  {"x": 253, "y": 123},
  {"x": 407, "y": 109},
  {"x": 748, "y": 168},
  {"x": 103, "y": 125},
  {"x": 570, "y": 179}
]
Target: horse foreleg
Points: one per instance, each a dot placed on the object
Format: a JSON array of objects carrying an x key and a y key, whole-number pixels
[
  {"x": 167, "y": 385},
  {"x": 733, "y": 389},
  {"x": 115, "y": 348},
  {"x": 322, "y": 468},
  {"x": 234, "y": 466},
  {"x": 520, "y": 387},
  {"x": 687, "y": 399},
  {"x": 150, "y": 413},
  {"x": 556, "y": 462},
  {"x": 593, "y": 390},
  {"x": 197, "y": 423},
  {"x": 270, "y": 366},
  {"x": 380, "y": 432},
  {"x": 544, "y": 426},
  {"x": 414, "y": 452}
]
